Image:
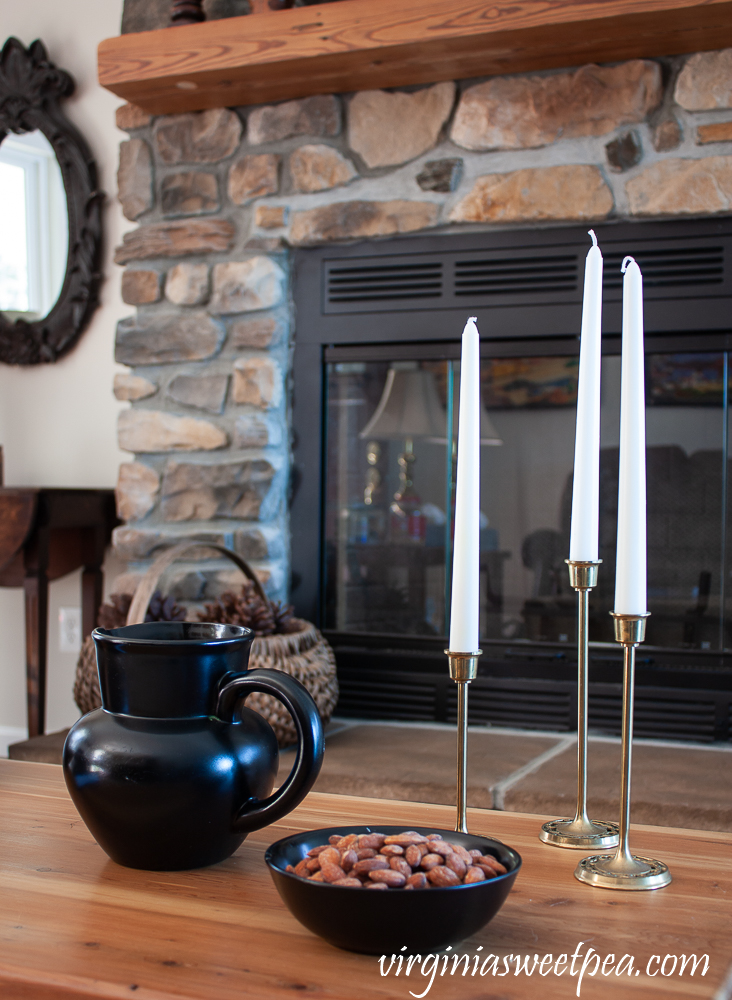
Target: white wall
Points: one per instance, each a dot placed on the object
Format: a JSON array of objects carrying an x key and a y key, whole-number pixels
[{"x": 57, "y": 422}]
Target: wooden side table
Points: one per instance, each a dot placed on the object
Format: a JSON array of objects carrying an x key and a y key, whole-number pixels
[{"x": 45, "y": 534}]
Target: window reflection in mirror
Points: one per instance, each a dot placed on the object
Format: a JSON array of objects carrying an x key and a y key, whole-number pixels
[{"x": 33, "y": 226}]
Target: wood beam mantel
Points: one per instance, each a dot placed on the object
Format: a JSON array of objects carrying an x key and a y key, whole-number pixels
[{"x": 366, "y": 44}]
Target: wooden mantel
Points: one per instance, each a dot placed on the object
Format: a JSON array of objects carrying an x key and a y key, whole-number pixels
[{"x": 366, "y": 44}]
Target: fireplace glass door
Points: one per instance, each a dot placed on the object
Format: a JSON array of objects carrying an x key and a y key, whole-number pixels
[{"x": 390, "y": 446}]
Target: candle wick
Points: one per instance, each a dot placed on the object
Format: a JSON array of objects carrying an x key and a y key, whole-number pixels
[
  {"x": 591, "y": 232},
  {"x": 626, "y": 261},
  {"x": 472, "y": 319}
]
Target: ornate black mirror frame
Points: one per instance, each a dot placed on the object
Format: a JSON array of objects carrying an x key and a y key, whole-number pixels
[{"x": 30, "y": 90}]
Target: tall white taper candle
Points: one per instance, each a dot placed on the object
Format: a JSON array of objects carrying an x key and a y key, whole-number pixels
[
  {"x": 583, "y": 539},
  {"x": 630, "y": 570},
  {"x": 465, "y": 610}
]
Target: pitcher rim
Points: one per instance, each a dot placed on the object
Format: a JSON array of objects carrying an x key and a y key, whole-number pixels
[{"x": 113, "y": 635}]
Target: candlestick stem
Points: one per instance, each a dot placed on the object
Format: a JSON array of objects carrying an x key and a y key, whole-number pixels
[
  {"x": 624, "y": 870},
  {"x": 581, "y": 832},
  {"x": 463, "y": 670}
]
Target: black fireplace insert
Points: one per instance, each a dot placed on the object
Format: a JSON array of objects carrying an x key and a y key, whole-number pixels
[{"x": 376, "y": 387}]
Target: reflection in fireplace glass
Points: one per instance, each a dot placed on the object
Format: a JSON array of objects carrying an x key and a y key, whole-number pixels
[{"x": 391, "y": 442}]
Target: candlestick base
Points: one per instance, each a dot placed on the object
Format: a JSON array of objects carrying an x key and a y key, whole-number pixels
[
  {"x": 607, "y": 871},
  {"x": 579, "y": 834}
]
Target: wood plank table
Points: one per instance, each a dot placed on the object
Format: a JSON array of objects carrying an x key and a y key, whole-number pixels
[{"x": 73, "y": 924}]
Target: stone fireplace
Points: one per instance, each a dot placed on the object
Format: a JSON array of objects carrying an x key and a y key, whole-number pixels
[{"x": 221, "y": 196}]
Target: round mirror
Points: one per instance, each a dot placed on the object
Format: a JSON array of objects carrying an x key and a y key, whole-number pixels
[
  {"x": 50, "y": 212},
  {"x": 34, "y": 236}
]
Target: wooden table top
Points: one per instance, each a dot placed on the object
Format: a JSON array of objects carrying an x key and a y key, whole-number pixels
[{"x": 73, "y": 924}]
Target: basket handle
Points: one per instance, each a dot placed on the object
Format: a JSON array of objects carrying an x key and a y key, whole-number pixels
[{"x": 146, "y": 587}]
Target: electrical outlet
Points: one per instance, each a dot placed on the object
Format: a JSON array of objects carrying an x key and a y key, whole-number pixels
[{"x": 69, "y": 630}]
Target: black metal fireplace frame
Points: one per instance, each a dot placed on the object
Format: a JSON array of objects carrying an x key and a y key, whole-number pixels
[{"x": 422, "y": 300}]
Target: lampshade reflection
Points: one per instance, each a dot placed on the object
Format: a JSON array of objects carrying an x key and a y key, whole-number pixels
[{"x": 409, "y": 408}]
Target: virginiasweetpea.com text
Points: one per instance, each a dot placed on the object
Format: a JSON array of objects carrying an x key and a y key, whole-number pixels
[{"x": 579, "y": 965}]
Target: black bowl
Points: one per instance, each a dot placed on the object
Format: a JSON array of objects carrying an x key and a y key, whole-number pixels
[{"x": 379, "y": 923}]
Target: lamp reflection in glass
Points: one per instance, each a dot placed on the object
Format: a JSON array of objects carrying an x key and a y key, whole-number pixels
[
  {"x": 409, "y": 409},
  {"x": 488, "y": 433}
]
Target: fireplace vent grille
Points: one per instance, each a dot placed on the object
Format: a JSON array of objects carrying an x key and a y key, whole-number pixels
[
  {"x": 369, "y": 283},
  {"x": 516, "y": 275},
  {"x": 404, "y": 698},
  {"x": 519, "y": 276},
  {"x": 665, "y": 713},
  {"x": 670, "y": 267}
]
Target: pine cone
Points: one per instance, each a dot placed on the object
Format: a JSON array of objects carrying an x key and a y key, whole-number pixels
[
  {"x": 160, "y": 609},
  {"x": 114, "y": 614},
  {"x": 284, "y": 620},
  {"x": 164, "y": 609},
  {"x": 248, "y": 609}
]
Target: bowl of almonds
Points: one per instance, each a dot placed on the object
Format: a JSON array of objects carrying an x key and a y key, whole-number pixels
[{"x": 377, "y": 889}]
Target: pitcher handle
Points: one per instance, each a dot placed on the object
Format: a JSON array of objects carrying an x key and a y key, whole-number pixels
[{"x": 256, "y": 813}]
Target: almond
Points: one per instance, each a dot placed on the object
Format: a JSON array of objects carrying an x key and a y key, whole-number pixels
[
  {"x": 462, "y": 853},
  {"x": 400, "y": 865},
  {"x": 348, "y": 841},
  {"x": 370, "y": 865},
  {"x": 474, "y": 874},
  {"x": 375, "y": 840},
  {"x": 487, "y": 870},
  {"x": 331, "y": 856},
  {"x": 405, "y": 839},
  {"x": 315, "y": 851},
  {"x": 301, "y": 868},
  {"x": 332, "y": 873},
  {"x": 439, "y": 847},
  {"x": 456, "y": 864},
  {"x": 389, "y": 850},
  {"x": 430, "y": 861},
  {"x": 365, "y": 852},
  {"x": 348, "y": 860},
  {"x": 413, "y": 855},
  {"x": 395, "y": 880},
  {"x": 488, "y": 859},
  {"x": 375, "y": 885},
  {"x": 352, "y": 882},
  {"x": 442, "y": 876},
  {"x": 417, "y": 881}
]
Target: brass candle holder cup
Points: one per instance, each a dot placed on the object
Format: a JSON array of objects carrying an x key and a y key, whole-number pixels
[
  {"x": 581, "y": 832},
  {"x": 463, "y": 670},
  {"x": 623, "y": 870}
]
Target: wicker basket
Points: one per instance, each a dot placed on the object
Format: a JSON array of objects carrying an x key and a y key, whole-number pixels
[{"x": 304, "y": 654}]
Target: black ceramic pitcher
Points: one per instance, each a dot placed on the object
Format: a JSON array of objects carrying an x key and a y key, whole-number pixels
[{"x": 173, "y": 771}]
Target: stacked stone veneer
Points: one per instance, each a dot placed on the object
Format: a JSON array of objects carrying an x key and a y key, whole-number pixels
[{"x": 221, "y": 195}]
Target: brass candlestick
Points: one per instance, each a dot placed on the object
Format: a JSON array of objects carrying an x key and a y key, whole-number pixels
[
  {"x": 463, "y": 670},
  {"x": 624, "y": 870},
  {"x": 581, "y": 832}
]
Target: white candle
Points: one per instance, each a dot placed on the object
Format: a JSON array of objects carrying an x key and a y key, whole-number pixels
[
  {"x": 630, "y": 571},
  {"x": 586, "y": 488},
  {"x": 465, "y": 611}
]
